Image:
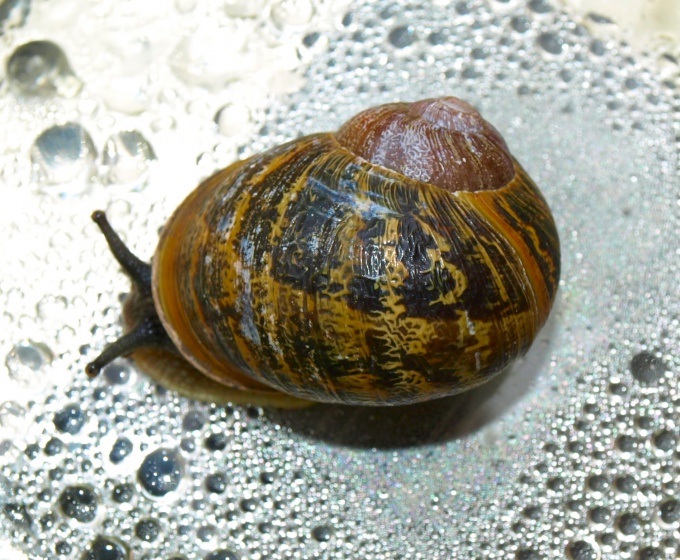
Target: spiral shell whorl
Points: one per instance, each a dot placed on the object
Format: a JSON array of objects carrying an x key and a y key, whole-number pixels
[{"x": 444, "y": 142}]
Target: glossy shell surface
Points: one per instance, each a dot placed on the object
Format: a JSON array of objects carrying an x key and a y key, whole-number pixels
[{"x": 312, "y": 271}]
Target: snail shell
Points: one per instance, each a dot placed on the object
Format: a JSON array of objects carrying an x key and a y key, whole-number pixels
[{"x": 405, "y": 257}]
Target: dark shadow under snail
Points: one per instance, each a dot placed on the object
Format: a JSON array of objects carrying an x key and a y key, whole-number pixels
[{"x": 405, "y": 257}]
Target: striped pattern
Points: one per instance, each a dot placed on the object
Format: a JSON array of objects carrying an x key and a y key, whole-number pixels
[{"x": 309, "y": 270}]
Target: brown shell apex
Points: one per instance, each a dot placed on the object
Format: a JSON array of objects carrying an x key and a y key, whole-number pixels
[{"x": 444, "y": 142}]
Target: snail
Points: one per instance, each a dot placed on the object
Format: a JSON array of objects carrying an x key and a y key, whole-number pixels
[{"x": 405, "y": 257}]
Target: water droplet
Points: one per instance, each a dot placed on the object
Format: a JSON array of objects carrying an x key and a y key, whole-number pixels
[
  {"x": 243, "y": 8},
  {"x": 120, "y": 450},
  {"x": 248, "y": 504},
  {"x": 664, "y": 441},
  {"x": 193, "y": 421},
  {"x": 41, "y": 68},
  {"x": 599, "y": 516},
  {"x": 106, "y": 548},
  {"x": 25, "y": 361},
  {"x": 63, "y": 153},
  {"x": 79, "y": 503},
  {"x": 402, "y": 36},
  {"x": 540, "y": 6},
  {"x": 625, "y": 484},
  {"x": 233, "y": 119},
  {"x": 69, "y": 420},
  {"x": 216, "y": 483},
  {"x": 292, "y": 13},
  {"x": 53, "y": 447},
  {"x": 583, "y": 550},
  {"x": 551, "y": 43},
  {"x": 463, "y": 8},
  {"x": 598, "y": 48},
  {"x": 147, "y": 530},
  {"x": 13, "y": 13},
  {"x": 647, "y": 368},
  {"x": 598, "y": 483},
  {"x": 650, "y": 553},
  {"x": 669, "y": 513},
  {"x": 628, "y": 525},
  {"x": 216, "y": 441},
  {"x": 12, "y": 415},
  {"x": 123, "y": 493},
  {"x": 161, "y": 472},
  {"x": 626, "y": 444},
  {"x": 17, "y": 515},
  {"x": 117, "y": 373},
  {"x": 213, "y": 57},
  {"x": 222, "y": 555},
  {"x": 52, "y": 307},
  {"x": 520, "y": 24},
  {"x": 322, "y": 533},
  {"x": 267, "y": 477},
  {"x": 127, "y": 156},
  {"x": 527, "y": 554}
]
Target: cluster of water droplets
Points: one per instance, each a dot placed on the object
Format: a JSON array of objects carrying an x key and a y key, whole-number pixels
[{"x": 584, "y": 465}]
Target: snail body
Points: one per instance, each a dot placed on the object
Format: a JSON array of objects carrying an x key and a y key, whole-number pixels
[{"x": 405, "y": 257}]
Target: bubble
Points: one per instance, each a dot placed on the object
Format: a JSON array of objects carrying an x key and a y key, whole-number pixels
[
  {"x": 147, "y": 530},
  {"x": 216, "y": 483},
  {"x": 17, "y": 515},
  {"x": 120, "y": 450},
  {"x": 669, "y": 513},
  {"x": 292, "y": 13},
  {"x": 161, "y": 472},
  {"x": 402, "y": 36},
  {"x": 79, "y": 503},
  {"x": 322, "y": 533},
  {"x": 41, "y": 68},
  {"x": 63, "y": 153},
  {"x": 106, "y": 548},
  {"x": 25, "y": 361},
  {"x": 127, "y": 156},
  {"x": 647, "y": 368},
  {"x": 551, "y": 43},
  {"x": 583, "y": 550},
  {"x": 243, "y": 8},
  {"x": 69, "y": 420}
]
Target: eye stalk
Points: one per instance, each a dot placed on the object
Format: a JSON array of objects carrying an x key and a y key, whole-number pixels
[{"x": 147, "y": 330}]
